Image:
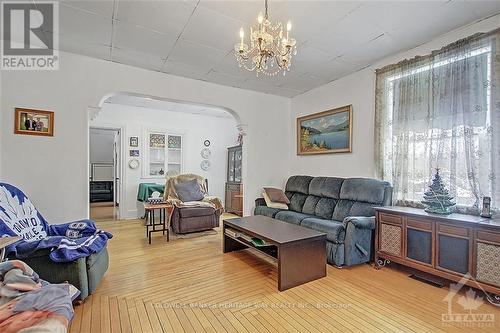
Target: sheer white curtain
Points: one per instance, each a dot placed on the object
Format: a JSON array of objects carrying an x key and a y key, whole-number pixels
[{"x": 442, "y": 111}]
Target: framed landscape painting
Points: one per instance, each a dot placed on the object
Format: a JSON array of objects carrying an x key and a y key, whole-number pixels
[
  {"x": 325, "y": 132},
  {"x": 34, "y": 122}
]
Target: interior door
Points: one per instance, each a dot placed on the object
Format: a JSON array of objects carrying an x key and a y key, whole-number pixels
[{"x": 116, "y": 172}]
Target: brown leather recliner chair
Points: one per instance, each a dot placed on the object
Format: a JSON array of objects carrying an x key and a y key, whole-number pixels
[
  {"x": 195, "y": 217},
  {"x": 192, "y": 219}
]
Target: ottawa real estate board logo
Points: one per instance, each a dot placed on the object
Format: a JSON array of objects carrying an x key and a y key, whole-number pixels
[
  {"x": 470, "y": 311},
  {"x": 29, "y": 35}
]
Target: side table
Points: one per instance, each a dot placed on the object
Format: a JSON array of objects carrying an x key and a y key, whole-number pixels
[{"x": 164, "y": 210}]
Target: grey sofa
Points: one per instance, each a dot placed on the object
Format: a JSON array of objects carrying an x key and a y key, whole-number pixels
[{"x": 340, "y": 207}]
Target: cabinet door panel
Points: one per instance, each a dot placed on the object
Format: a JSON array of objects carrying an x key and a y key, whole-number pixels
[
  {"x": 488, "y": 263},
  {"x": 453, "y": 253},
  {"x": 419, "y": 245},
  {"x": 391, "y": 238}
]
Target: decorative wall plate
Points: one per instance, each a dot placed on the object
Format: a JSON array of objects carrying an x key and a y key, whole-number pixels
[
  {"x": 205, "y": 165},
  {"x": 206, "y": 143},
  {"x": 133, "y": 163},
  {"x": 205, "y": 153}
]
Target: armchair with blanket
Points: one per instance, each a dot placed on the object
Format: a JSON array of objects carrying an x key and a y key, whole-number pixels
[
  {"x": 194, "y": 210},
  {"x": 73, "y": 252}
]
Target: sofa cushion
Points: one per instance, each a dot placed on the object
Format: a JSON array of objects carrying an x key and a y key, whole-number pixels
[
  {"x": 358, "y": 196},
  {"x": 291, "y": 217},
  {"x": 326, "y": 187},
  {"x": 266, "y": 211},
  {"x": 364, "y": 190},
  {"x": 298, "y": 184},
  {"x": 334, "y": 230},
  {"x": 310, "y": 204},
  {"x": 324, "y": 208},
  {"x": 345, "y": 208},
  {"x": 297, "y": 201},
  {"x": 195, "y": 211}
]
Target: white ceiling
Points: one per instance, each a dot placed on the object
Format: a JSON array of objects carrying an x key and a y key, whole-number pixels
[
  {"x": 155, "y": 104},
  {"x": 195, "y": 39}
]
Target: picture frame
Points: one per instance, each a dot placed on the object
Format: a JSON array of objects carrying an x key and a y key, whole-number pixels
[
  {"x": 134, "y": 152},
  {"x": 33, "y": 122},
  {"x": 326, "y": 132},
  {"x": 134, "y": 141}
]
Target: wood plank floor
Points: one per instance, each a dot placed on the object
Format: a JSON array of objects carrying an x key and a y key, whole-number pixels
[{"x": 188, "y": 285}]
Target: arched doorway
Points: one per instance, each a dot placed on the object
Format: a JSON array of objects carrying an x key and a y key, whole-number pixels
[{"x": 106, "y": 116}]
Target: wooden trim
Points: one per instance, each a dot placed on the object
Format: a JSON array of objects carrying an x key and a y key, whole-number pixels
[
  {"x": 441, "y": 273},
  {"x": 488, "y": 237},
  {"x": 391, "y": 219},
  {"x": 17, "y": 122},
  {"x": 421, "y": 225},
  {"x": 321, "y": 114},
  {"x": 449, "y": 230}
]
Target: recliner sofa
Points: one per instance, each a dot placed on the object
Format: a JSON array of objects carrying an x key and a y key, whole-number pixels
[{"x": 340, "y": 207}]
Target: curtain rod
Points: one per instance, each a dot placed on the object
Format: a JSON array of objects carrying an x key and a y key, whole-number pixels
[{"x": 445, "y": 48}]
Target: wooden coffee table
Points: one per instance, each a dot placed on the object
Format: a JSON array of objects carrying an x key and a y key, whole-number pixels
[{"x": 300, "y": 252}]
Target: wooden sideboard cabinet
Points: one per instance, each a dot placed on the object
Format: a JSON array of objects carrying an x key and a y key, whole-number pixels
[{"x": 448, "y": 246}]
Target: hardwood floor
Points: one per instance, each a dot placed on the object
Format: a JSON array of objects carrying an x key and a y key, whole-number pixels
[
  {"x": 188, "y": 285},
  {"x": 103, "y": 211}
]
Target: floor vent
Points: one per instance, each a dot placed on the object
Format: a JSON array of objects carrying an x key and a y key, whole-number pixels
[{"x": 433, "y": 281}]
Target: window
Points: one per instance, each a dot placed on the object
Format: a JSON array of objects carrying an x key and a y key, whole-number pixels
[{"x": 441, "y": 111}]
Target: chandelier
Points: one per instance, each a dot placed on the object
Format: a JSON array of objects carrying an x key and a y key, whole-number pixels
[{"x": 270, "y": 50}]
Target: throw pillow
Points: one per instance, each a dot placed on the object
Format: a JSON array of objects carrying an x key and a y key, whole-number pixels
[
  {"x": 271, "y": 204},
  {"x": 276, "y": 195},
  {"x": 189, "y": 191}
]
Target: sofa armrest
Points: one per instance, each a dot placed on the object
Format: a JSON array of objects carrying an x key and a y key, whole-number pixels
[
  {"x": 260, "y": 202},
  {"x": 358, "y": 243},
  {"x": 360, "y": 222},
  {"x": 74, "y": 272}
]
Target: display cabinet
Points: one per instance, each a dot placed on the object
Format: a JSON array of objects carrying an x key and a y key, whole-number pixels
[
  {"x": 234, "y": 186},
  {"x": 163, "y": 153}
]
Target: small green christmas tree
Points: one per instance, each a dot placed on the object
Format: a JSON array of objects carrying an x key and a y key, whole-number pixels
[{"x": 437, "y": 199}]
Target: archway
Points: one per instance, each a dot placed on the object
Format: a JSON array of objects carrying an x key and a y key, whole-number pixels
[{"x": 110, "y": 98}]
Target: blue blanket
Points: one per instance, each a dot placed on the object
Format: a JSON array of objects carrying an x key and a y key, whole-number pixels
[{"x": 68, "y": 242}]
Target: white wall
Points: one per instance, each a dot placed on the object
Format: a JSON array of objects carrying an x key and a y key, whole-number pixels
[
  {"x": 53, "y": 170},
  {"x": 358, "y": 89},
  {"x": 221, "y": 132},
  {"x": 101, "y": 145}
]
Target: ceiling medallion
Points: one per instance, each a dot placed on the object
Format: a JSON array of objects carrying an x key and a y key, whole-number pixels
[{"x": 270, "y": 51}]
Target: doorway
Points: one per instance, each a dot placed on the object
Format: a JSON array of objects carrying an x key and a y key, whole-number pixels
[{"x": 104, "y": 171}]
